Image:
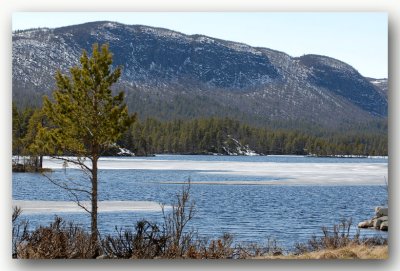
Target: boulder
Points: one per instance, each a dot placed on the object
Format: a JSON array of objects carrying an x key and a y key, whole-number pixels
[
  {"x": 378, "y": 221},
  {"x": 383, "y": 218},
  {"x": 365, "y": 224},
  {"x": 384, "y": 226},
  {"x": 381, "y": 211}
]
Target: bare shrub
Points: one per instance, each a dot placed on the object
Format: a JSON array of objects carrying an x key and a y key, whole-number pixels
[
  {"x": 183, "y": 210},
  {"x": 220, "y": 248},
  {"x": 56, "y": 241},
  {"x": 19, "y": 230},
  {"x": 149, "y": 241},
  {"x": 170, "y": 240},
  {"x": 374, "y": 241},
  {"x": 146, "y": 243},
  {"x": 337, "y": 237},
  {"x": 119, "y": 246},
  {"x": 271, "y": 248}
]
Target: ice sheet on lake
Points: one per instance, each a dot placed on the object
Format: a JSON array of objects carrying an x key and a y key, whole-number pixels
[
  {"x": 38, "y": 206},
  {"x": 284, "y": 173},
  {"x": 317, "y": 173}
]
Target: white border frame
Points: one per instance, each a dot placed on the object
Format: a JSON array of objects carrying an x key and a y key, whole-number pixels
[{"x": 10, "y": 6}]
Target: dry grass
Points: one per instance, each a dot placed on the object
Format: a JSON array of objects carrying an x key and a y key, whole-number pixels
[
  {"x": 336, "y": 243},
  {"x": 347, "y": 252}
]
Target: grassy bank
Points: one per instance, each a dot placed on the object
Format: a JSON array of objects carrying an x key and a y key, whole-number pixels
[{"x": 348, "y": 252}]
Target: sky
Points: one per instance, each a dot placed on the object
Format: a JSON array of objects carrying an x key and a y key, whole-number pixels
[{"x": 357, "y": 38}]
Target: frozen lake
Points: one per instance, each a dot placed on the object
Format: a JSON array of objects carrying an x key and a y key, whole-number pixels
[{"x": 284, "y": 197}]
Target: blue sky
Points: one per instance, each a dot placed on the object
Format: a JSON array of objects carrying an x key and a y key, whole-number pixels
[{"x": 358, "y": 38}]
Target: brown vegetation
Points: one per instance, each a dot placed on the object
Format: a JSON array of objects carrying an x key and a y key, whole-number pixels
[
  {"x": 336, "y": 243},
  {"x": 57, "y": 241},
  {"x": 347, "y": 252},
  {"x": 336, "y": 238}
]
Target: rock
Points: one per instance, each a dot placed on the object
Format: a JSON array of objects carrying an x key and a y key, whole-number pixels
[
  {"x": 383, "y": 218},
  {"x": 381, "y": 211},
  {"x": 378, "y": 221},
  {"x": 102, "y": 257},
  {"x": 365, "y": 224},
  {"x": 384, "y": 226}
]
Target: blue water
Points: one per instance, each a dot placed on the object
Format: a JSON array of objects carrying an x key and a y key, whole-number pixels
[{"x": 252, "y": 213}]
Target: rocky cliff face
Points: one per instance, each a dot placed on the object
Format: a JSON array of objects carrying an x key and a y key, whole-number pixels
[{"x": 167, "y": 74}]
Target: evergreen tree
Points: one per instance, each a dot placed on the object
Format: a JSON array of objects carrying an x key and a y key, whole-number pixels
[
  {"x": 35, "y": 149},
  {"x": 84, "y": 120},
  {"x": 16, "y": 130}
]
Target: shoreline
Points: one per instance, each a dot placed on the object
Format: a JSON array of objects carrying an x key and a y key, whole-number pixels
[{"x": 362, "y": 252}]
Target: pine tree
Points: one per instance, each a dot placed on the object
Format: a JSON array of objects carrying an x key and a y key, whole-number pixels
[
  {"x": 34, "y": 148},
  {"x": 16, "y": 134},
  {"x": 84, "y": 120}
]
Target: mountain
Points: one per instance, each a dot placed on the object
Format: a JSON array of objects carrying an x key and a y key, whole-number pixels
[
  {"x": 381, "y": 85},
  {"x": 167, "y": 74}
]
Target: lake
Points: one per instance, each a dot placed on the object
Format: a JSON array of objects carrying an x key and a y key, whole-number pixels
[{"x": 288, "y": 198}]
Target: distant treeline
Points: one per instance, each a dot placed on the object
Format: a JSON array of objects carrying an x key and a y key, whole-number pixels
[{"x": 210, "y": 135}]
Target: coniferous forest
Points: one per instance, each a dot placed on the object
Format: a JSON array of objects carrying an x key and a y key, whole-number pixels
[{"x": 211, "y": 135}]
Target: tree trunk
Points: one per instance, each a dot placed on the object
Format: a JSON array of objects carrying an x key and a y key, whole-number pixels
[
  {"x": 36, "y": 164},
  {"x": 94, "y": 230},
  {"x": 41, "y": 161}
]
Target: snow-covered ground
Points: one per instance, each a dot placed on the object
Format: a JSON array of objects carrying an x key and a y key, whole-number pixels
[
  {"x": 285, "y": 173},
  {"x": 38, "y": 206}
]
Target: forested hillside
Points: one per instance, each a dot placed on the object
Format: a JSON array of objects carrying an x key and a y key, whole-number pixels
[
  {"x": 198, "y": 94},
  {"x": 168, "y": 75}
]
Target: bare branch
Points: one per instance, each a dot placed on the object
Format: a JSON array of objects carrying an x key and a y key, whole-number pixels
[
  {"x": 65, "y": 186},
  {"x": 79, "y": 203},
  {"x": 71, "y": 191}
]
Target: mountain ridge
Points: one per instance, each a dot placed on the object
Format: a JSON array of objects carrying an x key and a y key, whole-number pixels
[{"x": 184, "y": 76}]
